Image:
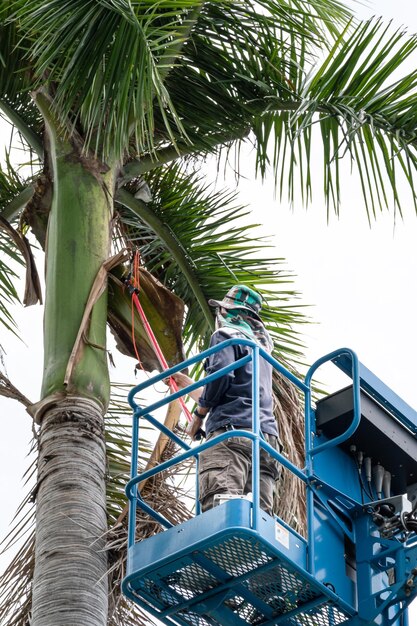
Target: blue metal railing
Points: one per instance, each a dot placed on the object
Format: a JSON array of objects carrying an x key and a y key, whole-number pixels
[
  {"x": 311, "y": 450},
  {"x": 305, "y": 474}
]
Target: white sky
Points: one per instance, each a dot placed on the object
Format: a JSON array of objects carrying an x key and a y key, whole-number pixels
[{"x": 361, "y": 282}]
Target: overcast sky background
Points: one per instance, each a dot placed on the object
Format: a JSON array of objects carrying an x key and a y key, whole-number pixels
[{"x": 361, "y": 282}]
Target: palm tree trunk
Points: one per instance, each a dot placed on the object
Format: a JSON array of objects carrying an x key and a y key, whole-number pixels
[
  {"x": 70, "y": 577},
  {"x": 70, "y": 583}
]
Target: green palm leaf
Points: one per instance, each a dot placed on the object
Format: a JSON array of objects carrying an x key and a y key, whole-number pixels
[
  {"x": 16, "y": 103},
  {"x": 10, "y": 257},
  {"x": 274, "y": 90},
  {"x": 360, "y": 111},
  {"x": 15, "y": 251},
  {"x": 197, "y": 242},
  {"x": 8, "y": 280},
  {"x": 106, "y": 62}
]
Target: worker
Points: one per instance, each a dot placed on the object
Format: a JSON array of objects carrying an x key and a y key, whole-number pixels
[{"x": 227, "y": 402}]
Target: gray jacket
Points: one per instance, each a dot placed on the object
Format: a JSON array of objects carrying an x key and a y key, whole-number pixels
[{"x": 229, "y": 398}]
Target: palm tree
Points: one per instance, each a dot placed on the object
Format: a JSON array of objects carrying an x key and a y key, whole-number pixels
[{"x": 113, "y": 98}]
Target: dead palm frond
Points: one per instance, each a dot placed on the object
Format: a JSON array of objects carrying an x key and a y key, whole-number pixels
[{"x": 290, "y": 500}]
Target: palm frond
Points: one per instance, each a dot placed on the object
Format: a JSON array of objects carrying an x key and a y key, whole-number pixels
[
  {"x": 8, "y": 280},
  {"x": 16, "y": 580},
  {"x": 361, "y": 110},
  {"x": 290, "y": 496},
  {"x": 106, "y": 63},
  {"x": 11, "y": 183},
  {"x": 15, "y": 250},
  {"x": 198, "y": 69},
  {"x": 16, "y": 103},
  {"x": 234, "y": 59},
  {"x": 238, "y": 55},
  {"x": 163, "y": 309},
  {"x": 209, "y": 233},
  {"x": 10, "y": 256},
  {"x": 349, "y": 103},
  {"x": 102, "y": 63},
  {"x": 161, "y": 493},
  {"x": 118, "y": 445}
]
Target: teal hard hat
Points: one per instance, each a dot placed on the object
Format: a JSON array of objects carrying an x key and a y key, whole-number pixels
[{"x": 240, "y": 297}]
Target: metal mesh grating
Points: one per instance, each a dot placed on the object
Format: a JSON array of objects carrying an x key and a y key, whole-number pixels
[
  {"x": 258, "y": 598},
  {"x": 238, "y": 556},
  {"x": 281, "y": 589},
  {"x": 190, "y": 581},
  {"x": 241, "y": 607},
  {"x": 162, "y": 596},
  {"x": 322, "y": 615},
  {"x": 183, "y": 584},
  {"x": 194, "y": 619}
]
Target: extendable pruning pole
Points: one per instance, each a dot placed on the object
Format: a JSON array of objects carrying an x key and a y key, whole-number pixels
[{"x": 134, "y": 290}]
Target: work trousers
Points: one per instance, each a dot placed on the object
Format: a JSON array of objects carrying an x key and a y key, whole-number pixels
[{"x": 227, "y": 469}]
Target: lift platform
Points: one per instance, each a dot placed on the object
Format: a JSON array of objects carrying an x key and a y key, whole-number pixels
[{"x": 236, "y": 565}]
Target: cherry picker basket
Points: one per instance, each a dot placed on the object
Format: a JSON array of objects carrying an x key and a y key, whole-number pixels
[{"x": 236, "y": 565}]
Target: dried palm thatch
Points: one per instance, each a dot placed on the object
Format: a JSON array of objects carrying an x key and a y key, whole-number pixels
[
  {"x": 167, "y": 494},
  {"x": 289, "y": 502},
  {"x": 8, "y": 390},
  {"x": 166, "y": 499},
  {"x": 16, "y": 580},
  {"x": 15, "y": 583}
]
